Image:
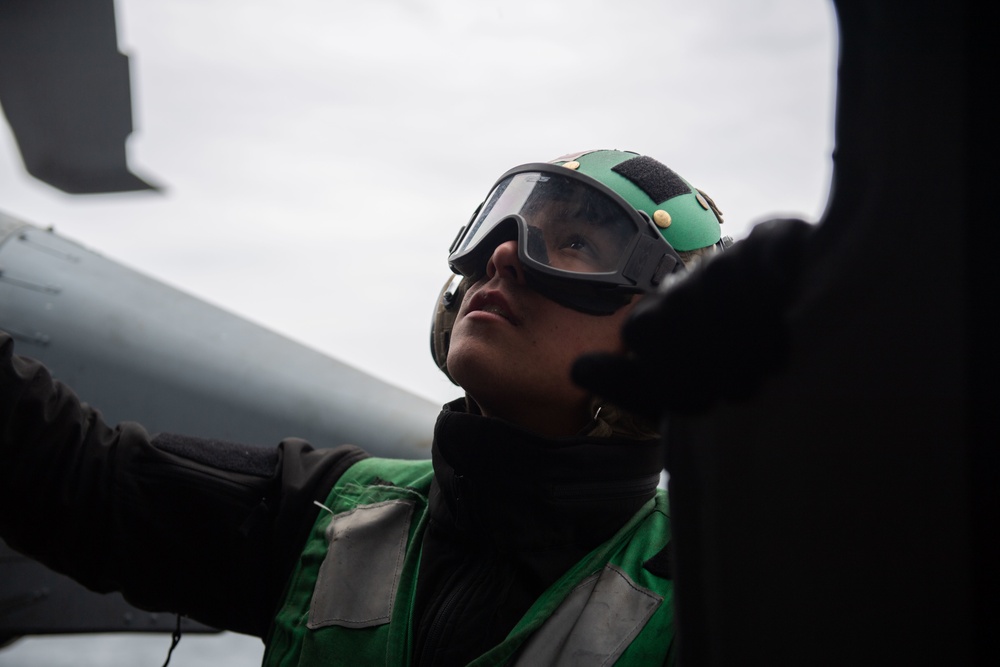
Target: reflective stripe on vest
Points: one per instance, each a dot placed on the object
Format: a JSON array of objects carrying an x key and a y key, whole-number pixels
[
  {"x": 350, "y": 599},
  {"x": 595, "y": 624}
]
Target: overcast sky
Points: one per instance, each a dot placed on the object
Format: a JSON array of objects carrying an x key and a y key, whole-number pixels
[{"x": 318, "y": 156}]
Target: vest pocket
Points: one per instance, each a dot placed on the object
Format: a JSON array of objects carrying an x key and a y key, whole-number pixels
[{"x": 356, "y": 585}]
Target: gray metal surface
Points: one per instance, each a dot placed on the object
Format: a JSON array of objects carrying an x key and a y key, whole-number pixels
[{"x": 142, "y": 351}]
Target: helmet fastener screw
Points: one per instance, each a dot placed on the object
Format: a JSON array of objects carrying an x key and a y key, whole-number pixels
[{"x": 661, "y": 218}]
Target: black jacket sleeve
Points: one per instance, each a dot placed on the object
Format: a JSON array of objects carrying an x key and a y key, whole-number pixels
[{"x": 203, "y": 528}]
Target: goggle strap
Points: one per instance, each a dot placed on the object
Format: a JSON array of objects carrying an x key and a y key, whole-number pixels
[
  {"x": 668, "y": 264},
  {"x": 646, "y": 252}
]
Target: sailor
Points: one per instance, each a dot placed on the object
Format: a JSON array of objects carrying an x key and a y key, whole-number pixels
[{"x": 535, "y": 535}]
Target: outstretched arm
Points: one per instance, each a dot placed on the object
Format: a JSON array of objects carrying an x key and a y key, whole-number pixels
[{"x": 204, "y": 528}]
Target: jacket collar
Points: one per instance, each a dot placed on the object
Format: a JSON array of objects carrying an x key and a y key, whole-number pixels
[{"x": 500, "y": 483}]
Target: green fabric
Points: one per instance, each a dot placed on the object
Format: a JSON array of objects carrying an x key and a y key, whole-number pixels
[
  {"x": 639, "y": 540},
  {"x": 658, "y": 634},
  {"x": 290, "y": 642},
  {"x": 374, "y": 480}
]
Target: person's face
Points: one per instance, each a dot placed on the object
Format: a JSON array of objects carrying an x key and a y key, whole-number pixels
[
  {"x": 579, "y": 235},
  {"x": 512, "y": 349}
]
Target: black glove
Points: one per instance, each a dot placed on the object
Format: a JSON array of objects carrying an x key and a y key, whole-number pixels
[{"x": 715, "y": 334}]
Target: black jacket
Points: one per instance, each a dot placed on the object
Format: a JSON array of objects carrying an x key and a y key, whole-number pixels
[{"x": 212, "y": 529}]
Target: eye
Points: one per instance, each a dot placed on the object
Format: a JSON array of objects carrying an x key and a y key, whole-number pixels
[
  {"x": 577, "y": 252},
  {"x": 579, "y": 243}
]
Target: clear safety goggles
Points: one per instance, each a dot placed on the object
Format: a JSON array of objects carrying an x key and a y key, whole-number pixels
[{"x": 579, "y": 242}]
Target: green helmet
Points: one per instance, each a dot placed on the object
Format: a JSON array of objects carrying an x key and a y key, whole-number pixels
[
  {"x": 692, "y": 220},
  {"x": 664, "y": 207}
]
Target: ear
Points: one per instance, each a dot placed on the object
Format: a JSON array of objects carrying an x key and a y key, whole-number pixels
[{"x": 445, "y": 311}]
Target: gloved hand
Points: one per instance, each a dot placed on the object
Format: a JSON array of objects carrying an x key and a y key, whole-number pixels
[{"x": 714, "y": 334}]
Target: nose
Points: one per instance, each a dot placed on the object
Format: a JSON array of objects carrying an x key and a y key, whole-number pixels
[{"x": 505, "y": 261}]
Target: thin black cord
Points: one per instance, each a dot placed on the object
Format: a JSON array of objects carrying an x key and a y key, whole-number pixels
[{"x": 175, "y": 639}]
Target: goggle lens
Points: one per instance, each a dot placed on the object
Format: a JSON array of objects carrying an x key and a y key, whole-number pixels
[{"x": 569, "y": 226}]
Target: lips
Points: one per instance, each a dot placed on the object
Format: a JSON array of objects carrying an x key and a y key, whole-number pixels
[{"x": 493, "y": 302}]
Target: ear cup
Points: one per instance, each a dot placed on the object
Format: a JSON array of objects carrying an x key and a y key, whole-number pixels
[{"x": 445, "y": 312}]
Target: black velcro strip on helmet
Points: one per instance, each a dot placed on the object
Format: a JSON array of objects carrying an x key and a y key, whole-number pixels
[{"x": 654, "y": 178}]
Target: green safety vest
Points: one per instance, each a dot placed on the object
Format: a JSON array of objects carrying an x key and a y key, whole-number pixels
[{"x": 350, "y": 599}]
